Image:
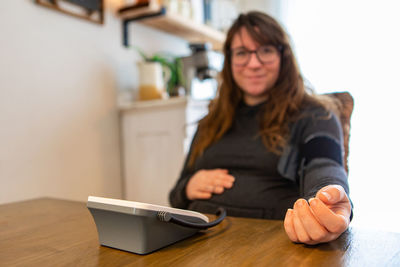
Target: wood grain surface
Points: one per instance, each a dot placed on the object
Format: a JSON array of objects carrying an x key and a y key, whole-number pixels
[{"x": 52, "y": 232}]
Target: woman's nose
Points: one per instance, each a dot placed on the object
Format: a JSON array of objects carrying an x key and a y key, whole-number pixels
[{"x": 254, "y": 62}]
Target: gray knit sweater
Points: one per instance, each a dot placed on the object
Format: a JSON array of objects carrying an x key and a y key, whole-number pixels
[{"x": 266, "y": 184}]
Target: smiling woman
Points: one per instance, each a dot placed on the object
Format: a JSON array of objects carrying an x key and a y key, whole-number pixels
[
  {"x": 254, "y": 74},
  {"x": 251, "y": 153}
]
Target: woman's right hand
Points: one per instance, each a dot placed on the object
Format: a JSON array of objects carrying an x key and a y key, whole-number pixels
[{"x": 204, "y": 183}]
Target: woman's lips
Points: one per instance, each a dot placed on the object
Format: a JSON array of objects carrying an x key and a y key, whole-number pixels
[{"x": 255, "y": 77}]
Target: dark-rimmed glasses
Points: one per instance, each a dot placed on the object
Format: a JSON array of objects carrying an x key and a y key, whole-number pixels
[{"x": 265, "y": 54}]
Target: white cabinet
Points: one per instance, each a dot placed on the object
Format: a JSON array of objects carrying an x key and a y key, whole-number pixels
[{"x": 153, "y": 134}]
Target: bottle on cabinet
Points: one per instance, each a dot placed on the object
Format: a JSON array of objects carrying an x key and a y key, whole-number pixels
[{"x": 152, "y": 80}]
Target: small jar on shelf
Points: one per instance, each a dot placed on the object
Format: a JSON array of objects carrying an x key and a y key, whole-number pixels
[{"x": 179, "y": 7}]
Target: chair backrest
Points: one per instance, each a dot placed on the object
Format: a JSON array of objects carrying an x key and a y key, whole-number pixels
[{"x": 343, "y": 108}]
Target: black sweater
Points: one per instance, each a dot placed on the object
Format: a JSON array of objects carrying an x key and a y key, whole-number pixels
[{"x": 266, "y": 184}]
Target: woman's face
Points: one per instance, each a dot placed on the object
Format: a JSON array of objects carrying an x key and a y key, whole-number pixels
[{"x": 254, "y": 78}]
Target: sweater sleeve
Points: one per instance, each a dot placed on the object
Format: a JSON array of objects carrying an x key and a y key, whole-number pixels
[
  {"x": 321, "y": 171},
  {"x": 177, "y": 196}
]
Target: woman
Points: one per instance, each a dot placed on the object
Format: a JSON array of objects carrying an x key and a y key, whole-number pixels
[{"x": 267, "y": 148}]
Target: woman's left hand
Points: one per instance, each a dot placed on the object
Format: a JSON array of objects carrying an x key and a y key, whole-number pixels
[{"x": 321, "y": 219}]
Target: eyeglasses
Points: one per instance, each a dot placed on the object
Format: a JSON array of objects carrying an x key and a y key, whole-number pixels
[{"x": 265, "y": 54}]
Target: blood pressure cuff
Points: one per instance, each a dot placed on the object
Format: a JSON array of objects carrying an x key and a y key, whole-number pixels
[{"x": 321, "y": 147}]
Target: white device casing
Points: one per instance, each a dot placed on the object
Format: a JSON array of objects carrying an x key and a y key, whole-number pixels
[
  {"x": 133, "y": 207},
  {"x": 134, "y": 226}
]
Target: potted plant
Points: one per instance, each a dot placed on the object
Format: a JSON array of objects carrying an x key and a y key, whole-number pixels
[{"x": 174, "y": 65}]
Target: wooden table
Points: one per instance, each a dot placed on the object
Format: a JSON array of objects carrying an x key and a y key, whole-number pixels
[{"x": 51, "y": 232}]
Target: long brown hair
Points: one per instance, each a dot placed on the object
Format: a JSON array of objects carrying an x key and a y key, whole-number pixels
[{"x": 285, "y": 99}]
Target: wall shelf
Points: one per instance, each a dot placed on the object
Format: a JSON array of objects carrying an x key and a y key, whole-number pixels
[{"x": 174, "y": 24}]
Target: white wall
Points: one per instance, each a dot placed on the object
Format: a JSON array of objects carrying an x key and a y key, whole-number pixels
[
  {"x": 272, "y": 7},
  {"x": 59, "y": 81},
  {"x": 354, "y": 46}
]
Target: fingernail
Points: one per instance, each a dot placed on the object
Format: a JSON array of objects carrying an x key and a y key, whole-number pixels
[
  {"x": 312, "y": 202},
  {"x": 289, "y": 212},
  {"x": 328, "y": 197},
  {"x": 299, "y": 203}
]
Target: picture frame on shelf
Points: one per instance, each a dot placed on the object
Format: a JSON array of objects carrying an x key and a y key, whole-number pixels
[{"x": 90, "y": 10}]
